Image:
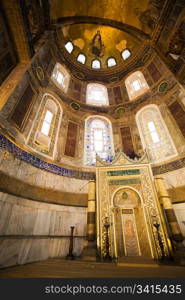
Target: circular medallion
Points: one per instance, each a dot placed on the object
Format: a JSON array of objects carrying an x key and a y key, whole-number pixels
[
  {"x": 114, "y": 79},
  {"x": 120, "y": 110},
  {"x": 162, "y": 87},
  {"x": 75, "y": 106}
]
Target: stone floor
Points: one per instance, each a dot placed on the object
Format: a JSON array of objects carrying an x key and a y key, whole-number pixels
[{"x": 61, "y": 268}]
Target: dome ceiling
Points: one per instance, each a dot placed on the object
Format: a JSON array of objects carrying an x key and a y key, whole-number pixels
[
  {"x": 123, "y": 24},
  {"x": 114, "y": 40}
]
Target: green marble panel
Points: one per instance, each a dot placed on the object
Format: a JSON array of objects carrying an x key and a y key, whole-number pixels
[{"x": 123, "y": 172}]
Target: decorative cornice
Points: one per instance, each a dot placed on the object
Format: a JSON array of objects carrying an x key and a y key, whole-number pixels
[
  {"x": 122, "y": 159},
  {"x": 171, "y": 166}
]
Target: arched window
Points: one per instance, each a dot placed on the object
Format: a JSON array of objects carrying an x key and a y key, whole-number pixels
[
  {"x": 111, "y": 62},
  {"x": 154, "y": 134},
  {"x": 97, "y": 94},
  {"x": 96, "y": 64},
  {"x": 69, "y": 47},
  {"x": 61, "y": 77},
  {"x": 44, "y": 133},
  {"x": 125, "y": 54},
  {"x": 136, "y": 85},
  {"x": 98, "y": 139},
  {"x": 81, "y": 58}
]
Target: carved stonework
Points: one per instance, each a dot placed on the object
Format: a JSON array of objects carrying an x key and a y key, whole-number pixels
[
  {"x": 126, "y": 194},
  {"x": 152, "y": 210}
]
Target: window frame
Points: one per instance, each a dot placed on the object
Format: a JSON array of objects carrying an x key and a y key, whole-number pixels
[
  {"x": 95, "y": 103},
  {"x": 159, "y": 151},
  {"x": 107, "y": 140},
  {"x": 60, "y": 69},
  {"x": 133, "y": 77}
]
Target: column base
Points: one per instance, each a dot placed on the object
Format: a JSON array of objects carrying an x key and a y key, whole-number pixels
[{"x": 70, "y": 257}]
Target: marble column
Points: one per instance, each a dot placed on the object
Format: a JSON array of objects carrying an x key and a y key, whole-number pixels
[
  {"x": 176, "y": 235},
  {"x": 89, "y": 251}
]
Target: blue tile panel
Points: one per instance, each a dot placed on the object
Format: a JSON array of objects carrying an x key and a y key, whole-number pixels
[{"x": 41, "y": 164}]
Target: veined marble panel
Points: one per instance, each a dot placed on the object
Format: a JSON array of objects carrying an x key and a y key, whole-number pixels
[
  {"x": 21, "y": 216},
  {"x": 21, "y": 251},
  {"x": 175, "y": 178}
]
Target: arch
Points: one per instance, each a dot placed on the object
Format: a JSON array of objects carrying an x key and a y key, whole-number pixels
[
  {"x": 138, "y": 243},
  {"x": 133, "y": 31},
  {"x": 98, "y": 139},
  {"x": 154, "y": 134},
  {"x": 43, "y": 135},
  {"x": 126, "y": 187},
  {"x": 61, "y": 77},
  {"x": 96, "y": 94},
  {"x": 136, "y": 85}
]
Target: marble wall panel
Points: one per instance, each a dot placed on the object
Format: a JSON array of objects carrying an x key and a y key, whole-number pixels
[
  {"x": 9, "y": 251},
  {"x": 42, "y": 224},
  {"x": 21, "y": 221},
  {"x": 5, "y": 213},
  {"x": 27, "y": 228},
  {"x": 21, "y": 251},
  {"x": 27, "y": 217},
  {"x": 175, "y": 178},
  {"x": 37, "y": 177}
]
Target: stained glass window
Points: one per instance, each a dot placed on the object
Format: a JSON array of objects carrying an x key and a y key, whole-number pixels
[
  {"x": 97, "y": 94},
  {"x": 98, "y": 140},
  {"x": 154, "y": 134}
]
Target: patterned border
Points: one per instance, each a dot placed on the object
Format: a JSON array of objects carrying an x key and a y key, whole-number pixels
[
  {"x": 172, "y": 166},
  {"x": 38, "y": 163}
]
